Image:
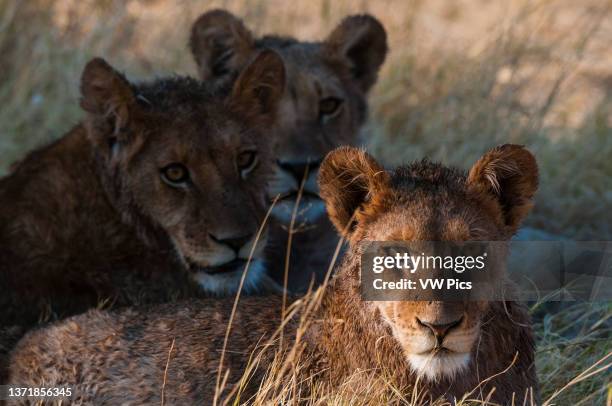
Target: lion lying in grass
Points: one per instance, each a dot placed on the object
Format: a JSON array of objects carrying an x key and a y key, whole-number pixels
[{"x": 444, "y": 348}]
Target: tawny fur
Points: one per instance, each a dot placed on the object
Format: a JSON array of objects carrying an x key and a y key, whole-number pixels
[
  {"x": 110, "y": 357},
  {"x": 122, "y": 357}
]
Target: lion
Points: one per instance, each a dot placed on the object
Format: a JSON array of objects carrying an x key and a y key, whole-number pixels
[
  {"x": 450, "y": 347},
  {"x": 442, "y": 349},
  {"x": 324, "y": 106},
  {"x": 158, "y": 191}
]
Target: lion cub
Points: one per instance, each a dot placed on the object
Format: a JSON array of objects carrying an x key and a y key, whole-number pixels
[
  {"x": 324, "y": 106},
  {"x": 448, "y": 347},
  {"x": 162, "y": 183}
]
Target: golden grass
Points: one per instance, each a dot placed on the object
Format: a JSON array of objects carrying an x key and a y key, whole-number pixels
[
  {"x": 461, "y": 76},
  {"x": 580, "y": 379}
]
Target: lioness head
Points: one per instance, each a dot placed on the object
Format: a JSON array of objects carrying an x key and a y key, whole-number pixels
[
  {"x": 188, "y": 164},
  {"x": 324, "y": 103},
  {"x": 429, "y": 202}
]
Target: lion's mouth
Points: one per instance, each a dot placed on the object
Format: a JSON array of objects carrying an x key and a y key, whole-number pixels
[
  {"x": 438, "y": 352},
  {"x": 438, "y": 362},
  {"x": 236, "y": 265}
]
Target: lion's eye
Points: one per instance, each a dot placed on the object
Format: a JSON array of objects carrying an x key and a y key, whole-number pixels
[
  {"x": 175, "y": 174},
  {"x": 246, "y": 162},
  {"x": 393, "y": 251},
  {"x": 329, "y": 106}
]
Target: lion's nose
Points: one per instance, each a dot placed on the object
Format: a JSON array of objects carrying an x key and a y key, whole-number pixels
[
  {"x": 235, "y": 243},
  {"x": 440, "y": 330},
  {"x": 298, "y": 169}
]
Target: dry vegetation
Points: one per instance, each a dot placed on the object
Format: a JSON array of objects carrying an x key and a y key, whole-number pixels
[{"x": 461, "y": 76}]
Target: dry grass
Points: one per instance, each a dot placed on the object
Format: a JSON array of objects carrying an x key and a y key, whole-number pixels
[
  {"x": 573, "y": 368},
  {"x": 462, "y": 76}
]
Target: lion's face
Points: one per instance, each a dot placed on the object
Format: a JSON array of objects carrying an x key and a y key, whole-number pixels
[
  {"x": 202, "y": 184},
  {"x": 191, "y": 164},
  {"x": 428, "y": 202},
  {"x": 437, "y": 337},
  {"x": 317, "y": 114},
  {"x": 324, "y": 104}
]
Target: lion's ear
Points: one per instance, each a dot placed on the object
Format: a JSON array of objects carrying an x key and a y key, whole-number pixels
[
  {"x": 360, "y": 42},
  {"x": 107, "y": 97},
  {"x": 260, "y": 86},
  {"x": 349, "y": 178},
  {"x": 220, "y": 44},
  {"x": 509, "y": 174}
]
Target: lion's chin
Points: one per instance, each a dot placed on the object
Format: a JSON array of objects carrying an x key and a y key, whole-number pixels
[
  {"x": 227, "y": 283},
  {"x": 437, "y": 365}
]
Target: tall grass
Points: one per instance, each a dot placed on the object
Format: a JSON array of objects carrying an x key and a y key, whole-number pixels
[
  {"x": 573, "y": 367},
  {"x": 461, "y": 77}
]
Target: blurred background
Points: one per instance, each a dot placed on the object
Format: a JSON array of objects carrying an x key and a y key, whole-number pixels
[{"x": 461, "y": 77}]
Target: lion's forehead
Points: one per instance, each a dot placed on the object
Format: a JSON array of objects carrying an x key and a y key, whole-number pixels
[
  {"x": 190, "y": 140},
  {"x": 303, "y": 135},
  {"x": 445, "y": 218}
]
